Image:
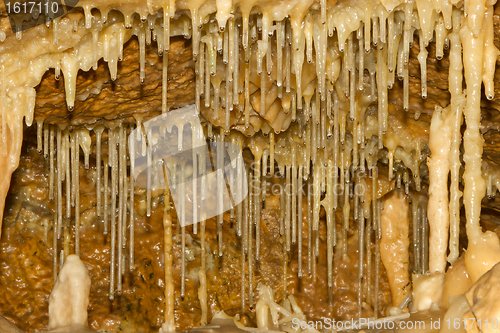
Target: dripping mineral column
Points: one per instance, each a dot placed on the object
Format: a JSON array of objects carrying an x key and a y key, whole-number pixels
[
  {"x": 457, "y": 102},
  {"x": 474, "y": 184},
  {"x": 169, "y": 324},
  {"x": 437, "y": 209}
]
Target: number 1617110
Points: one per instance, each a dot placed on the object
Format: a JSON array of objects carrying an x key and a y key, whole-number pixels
[
  {"x": 469, "y": 323},
  {"x": 40, "y": 7}
]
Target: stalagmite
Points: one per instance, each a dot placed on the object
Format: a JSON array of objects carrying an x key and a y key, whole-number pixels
[
  {"x": 394, "y": 245},
  {"x": 438, "y": 164},
  {"x": 69, "y": 298}
]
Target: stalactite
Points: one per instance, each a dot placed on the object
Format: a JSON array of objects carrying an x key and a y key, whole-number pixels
[
  {"x": 249, "y": 237},
  {"x": 132, "y": 205},
  {"x": 169, "y": 260},
  {"x": 39, "y": 134},
  {"x": 257, "y": 203},
  {"x": 106, "y": 196},
  {"x": 76, "y": 181},
  {"x": 51, "y": 164},
  {"x": 236, "y": 62},
  {"x": 309, "y": 229},
  {"x": 59, "y": 174},
  {"x": 416, "y": 236},
  {"x": 346, "y": 209},
  {"x": 117, "y": 173},
  {"x": 142, "y": 52},
  {"x": 422, "y": 58},
  {"x": 113, "y": 192},
  {"x": 455, "y": 85},
  {"x": 164, "y": 87},
  {"x": 182, "y": 220},
  {"x": 149, "y": 180},
  {"x": 361, "y": 258},
  {"x": 98, "y": 134},
  {"x": 299, "y": 220},
  {"x": 331, "y": 225},
  {"x": 46, "y": 130},
  {"x": 287, "y": 210},
  {"x": 368, "y": 244},
  {"x": 378, "y": 235},
  {"x": 327, "y": 152},
  {"x": 67, "y": 173},
  {"x": 125, "y": 192},
  {"x": 220, "y": 186}
]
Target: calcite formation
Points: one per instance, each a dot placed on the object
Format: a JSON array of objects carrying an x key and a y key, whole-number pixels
[{"x": 361, "y": 123}]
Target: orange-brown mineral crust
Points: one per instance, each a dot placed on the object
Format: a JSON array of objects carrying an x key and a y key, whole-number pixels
[
  {"x": 26, "y": 257},
  {"x": 27, "y": 275}
]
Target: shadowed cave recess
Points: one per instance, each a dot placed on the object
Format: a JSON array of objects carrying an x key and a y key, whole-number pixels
[{"x": 369, "y": 134}]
